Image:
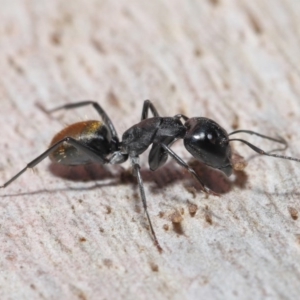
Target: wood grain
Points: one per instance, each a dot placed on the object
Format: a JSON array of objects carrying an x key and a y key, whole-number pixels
[{"x": 80, "y": 233}]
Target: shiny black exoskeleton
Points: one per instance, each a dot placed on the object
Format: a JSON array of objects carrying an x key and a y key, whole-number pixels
[
  {"x": 208, "y": 142},
  {"x": 94, "y": 141}
]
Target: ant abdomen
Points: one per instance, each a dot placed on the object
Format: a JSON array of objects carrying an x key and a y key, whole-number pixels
[
  {"x": 93, "y": 134},
  {"x": 208, "y": 142}
]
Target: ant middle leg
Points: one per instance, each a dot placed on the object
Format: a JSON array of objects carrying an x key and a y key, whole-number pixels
[
  {"x": 84, "y": 149},
  {"x": 148, "y": 105},
  {"x": 136, "y": 170}
]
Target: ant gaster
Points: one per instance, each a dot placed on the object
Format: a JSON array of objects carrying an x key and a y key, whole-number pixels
[{"x": 98, "y": 142}]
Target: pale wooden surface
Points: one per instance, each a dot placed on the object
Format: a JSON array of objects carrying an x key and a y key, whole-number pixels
[{"x": 237, "y": 62}]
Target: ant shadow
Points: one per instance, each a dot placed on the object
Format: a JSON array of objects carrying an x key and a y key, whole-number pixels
[
  {"x": 167, "y": 175},
  {"x": 81, "y": 173}
]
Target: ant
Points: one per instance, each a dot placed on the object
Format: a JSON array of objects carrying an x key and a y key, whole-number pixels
[{"x": 94, "y": 141}]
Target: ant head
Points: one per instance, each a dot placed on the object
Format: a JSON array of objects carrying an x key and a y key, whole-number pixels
[{"x": 208, "y": 142}]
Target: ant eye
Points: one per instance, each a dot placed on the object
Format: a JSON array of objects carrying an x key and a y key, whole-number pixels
[{"x": 208, "y": 142}]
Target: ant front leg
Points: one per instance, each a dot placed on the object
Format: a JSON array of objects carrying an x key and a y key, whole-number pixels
[
  {"x": 84, "y": 149},
  {"x": 186, "y": 166},
  {"x": 157, "y": 155},
  {"x": 136, "y": 170}
]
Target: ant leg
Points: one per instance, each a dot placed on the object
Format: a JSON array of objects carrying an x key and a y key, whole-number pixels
[
  {"x": 148, "y": 105},
  {"x": 117, "y": 158},
  {"x": 157, "y": 155},
  {"x": 179, "y": 116},
  {"x": 136, "y": 169},
  {"x": 186, "y": 166},
  {"x": 99, "y": 109},
  {"x": 93, "y": 155}
]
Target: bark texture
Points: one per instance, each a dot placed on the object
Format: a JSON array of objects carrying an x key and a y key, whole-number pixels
[{"x": 80, "y": 233}]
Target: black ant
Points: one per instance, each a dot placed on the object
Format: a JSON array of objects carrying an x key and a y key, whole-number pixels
[{"x": 94, "y": 141}]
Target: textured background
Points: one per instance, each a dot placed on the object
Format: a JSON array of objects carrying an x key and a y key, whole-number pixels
[{"x": 85, "y": 236}]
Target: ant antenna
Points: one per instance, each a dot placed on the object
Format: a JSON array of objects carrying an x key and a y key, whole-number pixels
[{"x": 260, "y": 151}]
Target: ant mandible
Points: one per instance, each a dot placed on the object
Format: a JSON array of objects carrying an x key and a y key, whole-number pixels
[{"x": 98, "y": 142}]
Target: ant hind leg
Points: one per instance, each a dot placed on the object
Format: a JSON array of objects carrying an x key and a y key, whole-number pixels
[
  {"x": 107, "y": 121},
  {"x": 87, "y": 151}
]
